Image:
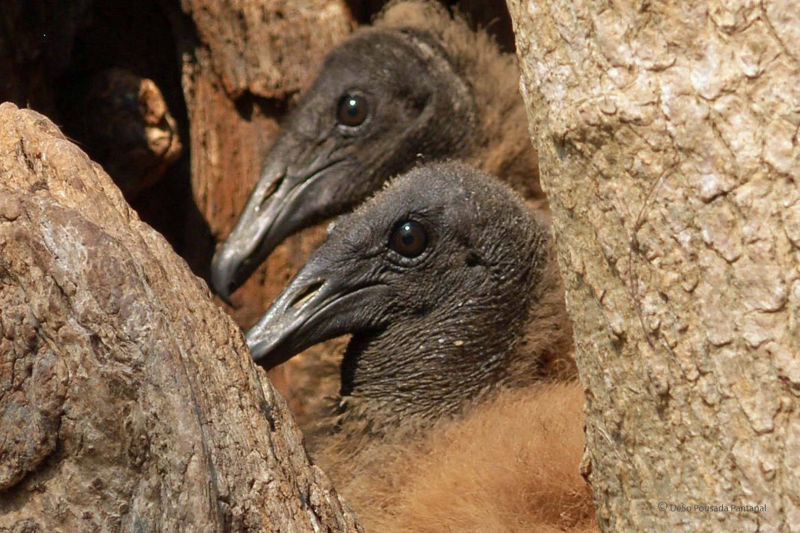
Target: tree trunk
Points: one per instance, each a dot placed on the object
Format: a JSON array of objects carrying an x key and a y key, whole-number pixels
[
  {"x": 127, "y": 398},
  {"x": 668, "y": 138}
]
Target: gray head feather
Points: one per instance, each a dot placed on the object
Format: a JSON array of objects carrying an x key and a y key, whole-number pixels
[{"x": 437, "y": 325}]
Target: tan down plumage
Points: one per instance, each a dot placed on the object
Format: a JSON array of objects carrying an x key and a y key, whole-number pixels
[{"x": 510, "y": 465}]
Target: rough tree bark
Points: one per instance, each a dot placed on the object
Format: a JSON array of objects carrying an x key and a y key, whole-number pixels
[
  {"x": 668, "y": 137},
  {"x": 127, "y": 398}
]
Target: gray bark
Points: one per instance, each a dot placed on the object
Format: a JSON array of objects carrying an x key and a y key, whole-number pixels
[{"x": 669, "y": 151}]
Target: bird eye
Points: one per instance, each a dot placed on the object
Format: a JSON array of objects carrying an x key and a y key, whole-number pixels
[
  {"x": 408, "y": 239},
  {"x": 352, "y": 110}
]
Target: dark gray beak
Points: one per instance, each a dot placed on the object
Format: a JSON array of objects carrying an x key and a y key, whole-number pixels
[
  {"x": 254, "y": 235},
  {"x": 319, "y": 304},
  {"x": 287, "y": 198}
]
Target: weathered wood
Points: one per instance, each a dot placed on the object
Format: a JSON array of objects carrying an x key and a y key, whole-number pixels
[
  {"x": 668, "y": 142},
  {"x": 127, "y": 398}
]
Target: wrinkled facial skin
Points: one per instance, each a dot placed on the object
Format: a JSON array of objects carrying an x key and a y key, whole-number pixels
[
  {"x": 322, "y": 165},
  {"x": 370, "y": 276}
]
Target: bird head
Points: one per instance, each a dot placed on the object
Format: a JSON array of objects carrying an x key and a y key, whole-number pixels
[
  {"x": 383, "y": 100},
  {"x": 434, "y": 277}
]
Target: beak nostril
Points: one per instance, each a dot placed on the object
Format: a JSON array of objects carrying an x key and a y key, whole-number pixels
[
  {"x": 270, "y": 191},
  {"x": 306, "y": 294}
]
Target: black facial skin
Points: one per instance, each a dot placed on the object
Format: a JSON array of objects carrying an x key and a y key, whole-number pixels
[
  {"x": 384, "y": 100},
  {"x": 434, "y": 278}
]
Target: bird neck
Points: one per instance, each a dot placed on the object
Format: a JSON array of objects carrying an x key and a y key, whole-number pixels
[
  {"x": 451, "y": 111},
  {"x": 500, "y": 142},
  {"x": 426, "y": 368}
]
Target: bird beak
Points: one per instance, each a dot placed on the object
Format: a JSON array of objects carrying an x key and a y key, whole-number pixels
[
  {"x": 287, "y": 198},
  {"x": 319, "y": 304}
]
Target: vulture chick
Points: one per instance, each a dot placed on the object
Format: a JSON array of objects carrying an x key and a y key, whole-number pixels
[
  {"x": 418, "y": 86},
  {"x": 446, "y": 282}
]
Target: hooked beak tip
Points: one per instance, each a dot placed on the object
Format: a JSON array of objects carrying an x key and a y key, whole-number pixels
[
  {"x": 263, "y": 353},
  {"x": 255, "y": 353},
  {"x": 225, "y": 298},
  {"x": 223, "y": 271},
  {"x": 277, "y": 336}
]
